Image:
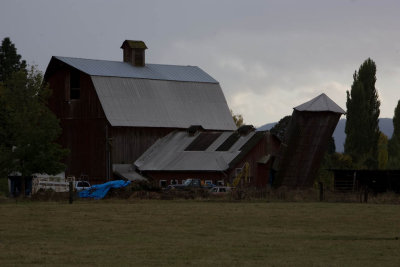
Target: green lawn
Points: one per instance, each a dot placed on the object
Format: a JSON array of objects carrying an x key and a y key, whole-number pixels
[{"x": 201, "y": 233}]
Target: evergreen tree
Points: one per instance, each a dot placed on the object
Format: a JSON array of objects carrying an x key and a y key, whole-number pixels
[
  {"x": 280, "y": 128},
  {"x": 394, "y": 142},
  {"x": 362, "y": 129},
  {"x": 29, "y": 126},
  {"x": 10, "y": 61}
]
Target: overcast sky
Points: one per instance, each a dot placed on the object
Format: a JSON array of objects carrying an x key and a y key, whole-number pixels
[{"x": 269, "y": 56}]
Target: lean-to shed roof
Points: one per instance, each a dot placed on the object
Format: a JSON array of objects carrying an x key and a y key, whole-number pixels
[{"x": 171, "y": 154}]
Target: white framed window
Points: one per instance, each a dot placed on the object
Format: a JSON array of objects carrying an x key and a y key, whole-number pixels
[
  {"x": 208, "y": 182},
  {"x": 174, "y": 181},
  {"x": 220, "y": 183}
]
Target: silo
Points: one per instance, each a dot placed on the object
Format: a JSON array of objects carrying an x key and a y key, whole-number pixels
[{"x": 305, "y": 142}]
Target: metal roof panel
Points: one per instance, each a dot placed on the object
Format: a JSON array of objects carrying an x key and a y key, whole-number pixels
[
  {"x": 149, "y": 71},
  {"x": 155, "y": 103},
  {"x": 168, "y": 154}
]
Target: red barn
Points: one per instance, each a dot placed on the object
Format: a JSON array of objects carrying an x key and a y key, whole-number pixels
[{"x": 113, "y": 111}]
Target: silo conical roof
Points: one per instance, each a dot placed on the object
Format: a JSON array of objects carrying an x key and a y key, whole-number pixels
[{"x": 320, "y": 103}]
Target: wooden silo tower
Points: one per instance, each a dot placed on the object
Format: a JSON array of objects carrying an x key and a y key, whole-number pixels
[{"x": 305, "y": 141}]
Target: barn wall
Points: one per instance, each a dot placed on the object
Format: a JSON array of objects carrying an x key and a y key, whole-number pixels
[
  {"x": 129, "y": 143},
  {"x": 258, "y": 173},
  {"x": 88, "y": 106},
  {"x": 84, "y": 126},
  {"x": 86, "y": 139}
]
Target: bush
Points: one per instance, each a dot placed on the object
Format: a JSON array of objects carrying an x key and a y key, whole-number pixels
[{"x": 4, "y": 186}]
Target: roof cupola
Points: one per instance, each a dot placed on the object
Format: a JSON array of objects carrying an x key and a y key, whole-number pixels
[{"x": 134, "y": 52}]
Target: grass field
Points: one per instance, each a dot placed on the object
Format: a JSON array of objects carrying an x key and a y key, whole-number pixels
[{"x": 201, "y": 233}]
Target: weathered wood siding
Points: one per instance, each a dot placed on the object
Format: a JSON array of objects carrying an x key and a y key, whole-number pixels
[
  {"x": 129, "y": 143},
  {"x": 87, "y": 107},
  {"x": 305, "y": 143},
  {"x": 83, "y": 123},
  {"x": 258, "y": 172}
]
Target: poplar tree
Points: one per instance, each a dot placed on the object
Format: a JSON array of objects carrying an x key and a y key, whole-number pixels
[
  {"x": 362, "y": 128},
  {"x": 394, "y": 142},
  {"x": 382, "y": 151}
]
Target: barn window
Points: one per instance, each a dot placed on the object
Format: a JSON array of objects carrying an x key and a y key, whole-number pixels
[
  {"x": 163, "y": 183},
  {"x": 75, "y": 86}
]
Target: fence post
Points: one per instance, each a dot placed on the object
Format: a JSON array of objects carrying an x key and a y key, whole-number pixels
[
  {"x": 366, "y": 194},
  {"x": 321, "y": 191},
  {"x": 71, "y": 192}
]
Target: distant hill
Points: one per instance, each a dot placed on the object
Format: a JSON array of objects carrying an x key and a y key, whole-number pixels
[
  {"x": 385, "y": 125},
  {"x": 266, "y": 127}
]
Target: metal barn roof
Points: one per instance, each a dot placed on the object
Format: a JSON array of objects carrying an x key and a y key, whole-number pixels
[
  {"x": 169, "y": 153},
  {"x": 320, "y": 103},
  {"x": 126, "y": 171},
  {"x": 150, "y": 71},
  {"x": 155, "y": 103}
]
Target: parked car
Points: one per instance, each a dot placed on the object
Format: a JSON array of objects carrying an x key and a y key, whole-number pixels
[
  {"x": 220, "y": 190},
  {"x": 82, "y": 185}
]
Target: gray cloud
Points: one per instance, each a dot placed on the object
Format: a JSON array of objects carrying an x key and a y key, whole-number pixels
[{"x": 269, "y": 56}]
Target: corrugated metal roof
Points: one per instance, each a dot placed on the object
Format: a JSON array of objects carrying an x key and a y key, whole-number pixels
[
  {"x": 168, "y": 154},
  {"x": 155, "y": 103},
  {"x": 320, "y": 103},
  {"x": 127, "y": 171},
  {"x": 150, "y": 71}
]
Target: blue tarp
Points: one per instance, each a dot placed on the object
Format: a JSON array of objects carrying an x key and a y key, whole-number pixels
[{"x": 99, "y": 191}]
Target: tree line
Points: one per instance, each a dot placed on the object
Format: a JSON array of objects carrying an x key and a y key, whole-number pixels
[{"x": 28, "y": 129}]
